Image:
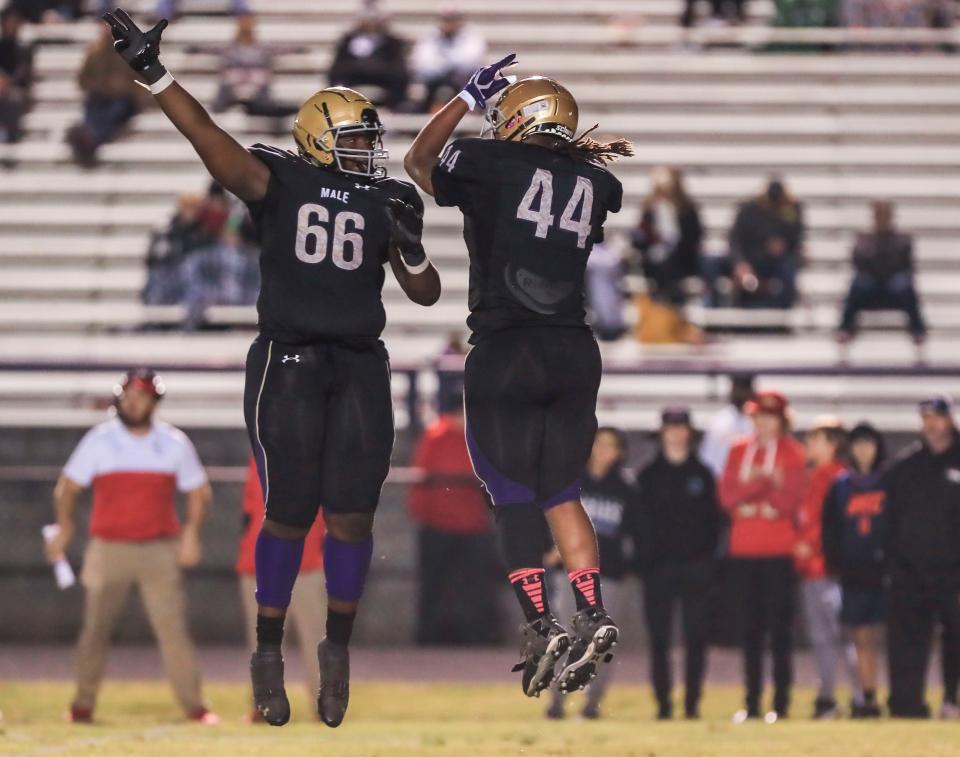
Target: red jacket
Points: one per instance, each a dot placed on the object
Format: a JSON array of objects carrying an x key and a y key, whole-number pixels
[
  {"x": 253, "y": 518},
  {"x": 762, "y": 495},
  {"x": 809, "y": 519},
  {"x": 456, "y": 506}
]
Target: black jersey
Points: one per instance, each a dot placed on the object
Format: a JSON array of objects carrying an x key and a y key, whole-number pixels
[
  {"x": 324, "y": 239},
  {"x": 531, "y": 217}
]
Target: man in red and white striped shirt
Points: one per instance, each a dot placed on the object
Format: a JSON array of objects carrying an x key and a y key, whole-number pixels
[{"x": 135, "y": 466}]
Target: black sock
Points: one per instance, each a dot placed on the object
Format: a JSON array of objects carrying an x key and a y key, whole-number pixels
[
  {"x": 586, "y": 588},
  {"x": 340, "y": 626},
  {"x": 869, "y": 696},
  {"x": 528, "y": 584},
  {"x": 269, "y": 631}
]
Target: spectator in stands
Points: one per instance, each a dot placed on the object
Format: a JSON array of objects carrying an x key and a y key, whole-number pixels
[
  {"x": 923, "y": 531},
  {"x": 246, "y": 74},
  {"x": 675, "y": 530},
  {"x": 608, "y": 495},
  {"x": 820, "y": 592},
  {"x": 308, "y": 606},
  {"x": 449, "y": 365},
  {"x": 722, "y": 12},
  {"x": 605, "y": 292},
  {"x": 457, "y": 557},
  {"x": 111, "y": 99},
  {"x": 16, "y": 75},
  {"x": 728, "y": 424},
  {"x": 371, "y": 55},
  {"x": 135, "y": 466},
  {"x": 48, "y": 11},
  {"x": 761, "y": 489},
  {"x": 854, "y": 532},
  {"x": 883, "y": 276},
  {"x": 766, "y": 248},
  {"x": 669, "y": 236},
  {"x": 169, "y": 248},
  {"x": 444, "y": 59}
]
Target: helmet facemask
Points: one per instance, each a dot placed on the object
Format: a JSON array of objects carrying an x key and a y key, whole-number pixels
[{"x": 373, "y": 160}]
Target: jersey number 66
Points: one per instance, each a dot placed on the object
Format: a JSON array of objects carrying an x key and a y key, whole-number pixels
[{"x": 309, "y": 224}]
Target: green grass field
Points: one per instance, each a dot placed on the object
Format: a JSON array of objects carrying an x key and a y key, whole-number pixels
[{"x": 427, "y": 719}]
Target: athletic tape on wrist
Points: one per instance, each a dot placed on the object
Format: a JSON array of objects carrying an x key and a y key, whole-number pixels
[
  {"x": 415, "y": 269},
  {"x": 161, "y": 84},
  {"x": 469, "y": 99}
]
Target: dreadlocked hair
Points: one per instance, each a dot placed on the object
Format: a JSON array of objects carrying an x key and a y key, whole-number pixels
[{"x": 591, "y": 151}]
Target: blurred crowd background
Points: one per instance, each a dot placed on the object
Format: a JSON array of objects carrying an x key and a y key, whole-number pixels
[{"x": 789, "y": 238}]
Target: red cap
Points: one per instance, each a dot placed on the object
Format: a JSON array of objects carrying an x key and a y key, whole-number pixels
[{"x": 771, "y": 402}]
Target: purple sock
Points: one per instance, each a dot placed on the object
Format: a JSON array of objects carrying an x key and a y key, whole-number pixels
[
  {"x": 345, "y": 565},
  {"x": 278, "y": 562}
]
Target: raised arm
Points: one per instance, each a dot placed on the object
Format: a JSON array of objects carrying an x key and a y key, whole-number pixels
[
  {"x": 425, "y": 151},
  {"x": 226, "y": 160}
]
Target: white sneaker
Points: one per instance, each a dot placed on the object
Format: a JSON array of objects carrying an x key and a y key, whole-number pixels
[
  {"x": 949, "y": 711},
  {"x": 771, "y": 717}
]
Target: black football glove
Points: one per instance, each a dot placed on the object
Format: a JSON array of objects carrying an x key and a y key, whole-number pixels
[
  {"x": 406, "y": 229},
  {"x": 140, "y": 50}
]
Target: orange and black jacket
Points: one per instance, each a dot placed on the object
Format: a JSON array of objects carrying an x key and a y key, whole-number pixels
[{"x": 854, "y": 529}]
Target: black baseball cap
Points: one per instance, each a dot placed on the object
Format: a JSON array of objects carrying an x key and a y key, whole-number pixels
[
  {"x": 938, "y": 404},
  {"x": 677, "y": 415}
]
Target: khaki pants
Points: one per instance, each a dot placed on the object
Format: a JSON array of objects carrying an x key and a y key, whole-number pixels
[
  {"x": 110, "y": 569},
  {"x": 308, "y": 611}
]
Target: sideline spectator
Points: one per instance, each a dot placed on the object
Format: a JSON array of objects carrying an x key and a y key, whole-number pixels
[
  {"x": 605, "y": 292},
  {"x": 246, "y": 74},
  {"x": 16, "y": 75},
  {"x": 883, "y": 278},
  {"x": 728, "y": 424},
  {"x": 444, "y": 59},
  {"x": 308, "y": 606},
  {"x": 449, "y": 366},
  {"x": 669, "y": 236},
  {"x": 766, "y": 249},
  {"x": 923, "y": 534},
  {"x": 675, "y": 529},
  {"x": 819, "y": 592},
  {"x": 135, "y": 465},
  {"x": 111, "y": 99},
  {"x": 854, "y": 524},
  {"x": 457, "y": 557},
  {"x": 608, "y": 496},
  {"x": 370, "y": 54},
  {"x": 761, "y": 488}
]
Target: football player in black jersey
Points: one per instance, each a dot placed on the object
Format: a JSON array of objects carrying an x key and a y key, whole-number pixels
[
  {"x": 534, "y": 199},
  {"x": 317, "y": 399}
]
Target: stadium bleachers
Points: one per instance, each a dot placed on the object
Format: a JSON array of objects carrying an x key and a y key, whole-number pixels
[{"x": 842, "y": 128}]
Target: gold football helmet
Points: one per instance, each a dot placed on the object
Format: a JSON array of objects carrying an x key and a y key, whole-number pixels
[
  {"x": 535, "y": 105},
  {"x": 327, "y": 115}
]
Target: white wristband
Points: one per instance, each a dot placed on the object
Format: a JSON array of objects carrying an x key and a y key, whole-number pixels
[
  {"x": 161, "y": 84},
  {"x": 419, "y": 268},
  {"x": 468, "y": 99}
]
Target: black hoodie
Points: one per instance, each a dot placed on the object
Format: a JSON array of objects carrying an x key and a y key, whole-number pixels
[
  {"x": 923, "y": 515},
  {"x": 606, "y": 500},
  {"x": 678, "y": 518}
]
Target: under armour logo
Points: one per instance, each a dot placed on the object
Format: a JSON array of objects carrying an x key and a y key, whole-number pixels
[
  {"x": 362, "y": 186},
  {"x": 294, "y": 358}
]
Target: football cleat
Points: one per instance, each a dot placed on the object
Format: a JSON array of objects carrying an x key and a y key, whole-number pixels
[
  {"x": 544, "y": 642},
  {"x": 595, "y": 635},
  {"x": 334, "y": 694},
  {"x": 269, "y": 695}
]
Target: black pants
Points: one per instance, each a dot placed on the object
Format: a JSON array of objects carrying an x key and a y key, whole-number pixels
[
  {"x": 766, "y": 588},
  {"x": 915, "y": 610},
  {"x": 665, "y": 586},
  {"x": 458, "y": 576}
]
